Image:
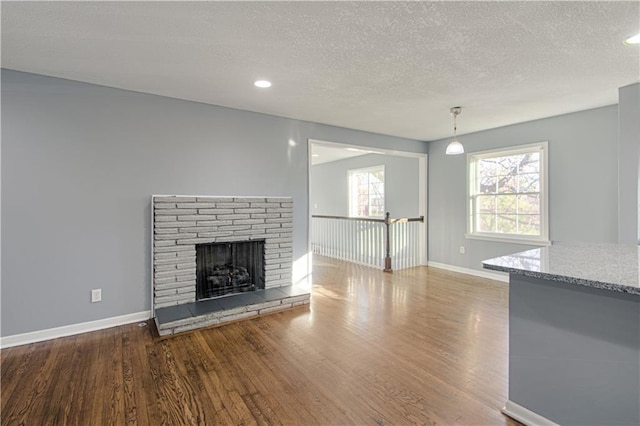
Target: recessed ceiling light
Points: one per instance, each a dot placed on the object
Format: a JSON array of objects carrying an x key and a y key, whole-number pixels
[
  {"x": 262, "y": 83},
  {"x": 633, "y": 40}
]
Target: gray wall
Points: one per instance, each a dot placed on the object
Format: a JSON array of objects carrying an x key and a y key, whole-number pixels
[
  {"x": 583, "y": 184},
  {"x": 330, "y": 184},
  {"x": 79, "y": 165},
  {"x": 629, "y": 163}
]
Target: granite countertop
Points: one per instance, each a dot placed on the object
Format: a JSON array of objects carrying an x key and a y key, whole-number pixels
[{"x": 612, "y": 267}]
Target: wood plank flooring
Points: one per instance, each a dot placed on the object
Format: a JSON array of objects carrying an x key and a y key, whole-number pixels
[{"x": 420, "y": 346}]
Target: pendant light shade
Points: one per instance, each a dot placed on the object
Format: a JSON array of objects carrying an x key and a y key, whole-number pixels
[{"x": 455, "y": 147}]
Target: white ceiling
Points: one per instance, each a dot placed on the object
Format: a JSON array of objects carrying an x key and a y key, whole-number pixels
[{"x": 387, "y": 67}]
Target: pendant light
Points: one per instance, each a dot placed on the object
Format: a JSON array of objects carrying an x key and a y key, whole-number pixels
[{"x": 455, "y": 147}]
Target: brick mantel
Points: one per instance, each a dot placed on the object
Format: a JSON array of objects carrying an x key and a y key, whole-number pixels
[{"x": 181, "y": 222}]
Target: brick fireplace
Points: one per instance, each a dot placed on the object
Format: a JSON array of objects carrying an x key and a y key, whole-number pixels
[{"x": 181, "y": 223}]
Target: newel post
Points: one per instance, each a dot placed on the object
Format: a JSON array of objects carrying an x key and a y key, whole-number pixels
[{"x": 387, "y": 259}]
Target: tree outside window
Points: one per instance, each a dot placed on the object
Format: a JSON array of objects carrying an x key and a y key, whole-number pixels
[{"x": 366, "y": 192}]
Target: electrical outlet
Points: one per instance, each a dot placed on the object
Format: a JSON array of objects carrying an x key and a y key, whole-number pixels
[
  {"x": 461, "y": 249},
  {"x": 96, "y": 295}
]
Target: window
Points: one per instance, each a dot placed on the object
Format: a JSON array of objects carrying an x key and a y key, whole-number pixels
[
  {"x": 508, "y": 194},
  {"x": 366, "y": 192}
]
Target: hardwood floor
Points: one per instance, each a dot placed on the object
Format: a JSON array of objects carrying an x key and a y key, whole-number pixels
[{"x": 420, "y": 346}]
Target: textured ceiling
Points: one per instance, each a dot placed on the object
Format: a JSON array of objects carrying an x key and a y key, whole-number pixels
[{"x": 386, "y": 67}]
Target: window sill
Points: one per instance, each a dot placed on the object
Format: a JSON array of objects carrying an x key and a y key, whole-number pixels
[{"x": 513, "y": 240}]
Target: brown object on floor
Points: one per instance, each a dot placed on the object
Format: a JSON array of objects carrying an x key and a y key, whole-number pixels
[{"x": 420, "y": 346}]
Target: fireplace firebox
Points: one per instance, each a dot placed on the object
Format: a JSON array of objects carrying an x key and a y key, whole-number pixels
[{"x": 229, "y": 268}]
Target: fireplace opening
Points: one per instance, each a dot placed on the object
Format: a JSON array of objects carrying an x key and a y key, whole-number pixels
[{"x": 228, "y": 268}]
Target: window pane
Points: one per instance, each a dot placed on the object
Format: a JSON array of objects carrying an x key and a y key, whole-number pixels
[
  {"x": 506, "y": 204},
  {"x": 506, "y": 223},
  {"x": 529, "y": 224},
  {"x": 530, "y": 163},
  {"x": 486, "y": 223},
  {"x": 529, "y": 204},
  {"x": 507, "y": 184},
  {"x": 529, "y": 182},
  {"x": 488, "y": 185},
  {"x": 505, "y": 191},
  {"x": 486, "y": 203}
]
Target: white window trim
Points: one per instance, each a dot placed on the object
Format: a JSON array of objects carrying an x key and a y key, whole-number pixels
[
  {"x": 543, "y": 238},
  {"x": 369, "y": 169}
]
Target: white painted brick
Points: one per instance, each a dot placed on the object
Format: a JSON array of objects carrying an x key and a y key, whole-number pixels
[
  {"x": 286, "y": 245},
  {"x": 279, "y": 199},
  {"x": 235, "y": 227},
  {"x": 300, "y": 303},
  {"x": 275, "y": 309},
  {"x": 182, "y": 276},
  {"x": 174, "y": 236},
  {"x": 269, "y": 246},
  {"x": 287, "y": 225},
  {"x": 219, "y": 233},
  {"x": 301, "y": 298},
  {"x": 175, "y": 199},
  {"x": 182, "y": 290},
  {"x": 248, "y": 199},
  {"x": 162, "y": 274},
  {"x": 199, "y": 229},
  {"x": 164, "y": 267},
  {"x": 271, "y": 256},
  {"x": 267, "y": 226},
  {"x": 249, "y": 210},
  {"x": 264, "y": 305},
  {"x": 188, "y": 286},
  {"x": 233, "y": 216},
  {"x": 180, "y": 298},
  {"x": 279, "y": 210},
  {"x": 191, "y": 241},
  {"x": 165, "y": 205},
  {"x": 158, "y": 219},
  {"x": 271, "y": 267},
  {"x": 174, "y": 212},
  {"x": 187, "y": 265},
  {"x": 214, "y": 222},
  {"x": 172, "y": 248},
  {"x": 286, "y": 205},
  {"x": 286, "y": 233},
  {"x": 166, "y": 279},
  {"x": 274, "y": 232},
  {"x": 248, "y": 221},
  {"x": 279, "y": 240},
  {"x": 236, "y": 238},
  {"x": 192, "y": 217},
  {"x": 265, "y": 205},
  {"x": 235, "y": 317},
  {"x": 165, "y": 231},
  {"x": 173, "y": 224},
  {"x": 286, "y": 215},
  {"x": 252, "y": 232},
  {"x": 215, "y": 211},
  {"x": 196, "y": 205},
  {"x": 214, "y": 199},
  {"x": 232, "y": 205},
  {"x": 286, "y": 254},
  {"x": 157, "y": 244},
  {"x": 267, "y": 216},
  {"x": 278, "y": 219},
  {"x": 165, "y": 292}
]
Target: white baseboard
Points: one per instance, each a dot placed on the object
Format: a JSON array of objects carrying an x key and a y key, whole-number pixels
[
  {"x": 69, "y": 330},
  {"x": 525, "y": 416},
  {"x": 498, "y": 276}
]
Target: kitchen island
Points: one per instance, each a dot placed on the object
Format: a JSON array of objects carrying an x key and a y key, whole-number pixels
[{"x": 574, "y": 334}]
